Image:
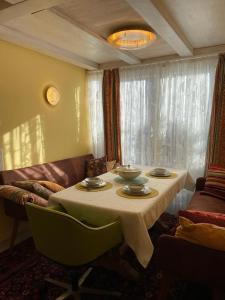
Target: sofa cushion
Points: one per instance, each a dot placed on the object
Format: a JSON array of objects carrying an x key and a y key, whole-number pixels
[
  {"x": 34, "y": 187},
  {"x": 96, "y": 167},
  {"x": 52, "y": 186},
  {"x": 215, "y": 182},
  {"x": 110, "y": 165},
  {"x": 20, "y": 196},
  {"x": 206, "y": 203},
  {"x": 198, "y": 216},
  {"x": 207, "y": 235}
]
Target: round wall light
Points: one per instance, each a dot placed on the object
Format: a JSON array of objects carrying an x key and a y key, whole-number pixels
[{"x": 52, "y": 95}]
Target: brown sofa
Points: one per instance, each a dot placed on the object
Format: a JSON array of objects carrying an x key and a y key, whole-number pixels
[
  {"x": 180, "y": 259},
  {"x": 65, "y": 172}
]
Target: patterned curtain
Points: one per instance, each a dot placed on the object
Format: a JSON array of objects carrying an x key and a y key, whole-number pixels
[
  {"x": 216, "y": 145},
  {"x": 111, "y": 109}
]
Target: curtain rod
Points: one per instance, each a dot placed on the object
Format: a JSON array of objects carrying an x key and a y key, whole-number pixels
[{"x": 159, "y": 62}]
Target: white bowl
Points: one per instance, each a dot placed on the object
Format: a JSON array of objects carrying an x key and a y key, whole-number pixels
[
  {"x": 128, "y": 172},
  {"x": 93, "y": 181},
  {"x": 160, "y": 171},
  {"x": 135, "y": 188}
]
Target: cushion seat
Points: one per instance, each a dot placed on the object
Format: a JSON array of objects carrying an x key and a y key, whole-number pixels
[{"x": 206, "y": 203}]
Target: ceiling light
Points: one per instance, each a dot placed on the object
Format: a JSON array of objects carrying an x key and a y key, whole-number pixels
[{"x": 132, "y": 39}]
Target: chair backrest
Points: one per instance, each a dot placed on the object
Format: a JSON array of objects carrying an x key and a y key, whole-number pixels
[{"x": 66, "y": 240}]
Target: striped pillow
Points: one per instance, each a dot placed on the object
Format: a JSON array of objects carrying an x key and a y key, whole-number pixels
[
  {"x": 33, "y": 187},
  {"x": 21, "y": 196},
  {"x": 215, "y": 182}
]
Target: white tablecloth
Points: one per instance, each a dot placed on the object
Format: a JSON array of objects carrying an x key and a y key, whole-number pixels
[{"x": 136, "y": 215}]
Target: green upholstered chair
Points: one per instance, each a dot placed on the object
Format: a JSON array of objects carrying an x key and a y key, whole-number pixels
[{"x": 72, "y": 243}]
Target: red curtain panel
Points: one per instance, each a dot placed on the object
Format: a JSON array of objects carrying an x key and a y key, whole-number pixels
[
  {"x": 111, "y": 108},
  {"x": 216, "y": 145}
]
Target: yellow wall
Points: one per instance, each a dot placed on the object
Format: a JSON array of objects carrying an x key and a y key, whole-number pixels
[{"x": 31, "y": 131}]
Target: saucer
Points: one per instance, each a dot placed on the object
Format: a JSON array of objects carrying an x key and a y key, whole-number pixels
[
  {"x": 97, "y": 185},
  {"x": 145, "y": 191}
]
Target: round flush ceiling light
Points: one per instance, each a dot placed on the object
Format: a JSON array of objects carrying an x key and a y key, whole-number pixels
[
  {"x": 52, "y": 95},
  {"x": 132, "y": 39}
]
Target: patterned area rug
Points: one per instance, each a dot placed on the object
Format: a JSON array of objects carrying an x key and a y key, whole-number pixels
[{"x": 22, "y": 273}]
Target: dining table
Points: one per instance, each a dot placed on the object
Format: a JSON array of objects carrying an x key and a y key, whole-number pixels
[{"x": 137, "y": 214}]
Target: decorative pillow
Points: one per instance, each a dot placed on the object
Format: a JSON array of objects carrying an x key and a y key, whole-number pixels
[
  {"x": 52, "y": 186},
  {"x": 95, "y": 167},
  {"x": 21, "y": 196},
  {"x": 33, "y": 187},
  {"x": 110, "y": 165},
  {"x": 215, "y": 183},
  {"x": 198, "y": 216},
  {"x": 203, "y": 234}
]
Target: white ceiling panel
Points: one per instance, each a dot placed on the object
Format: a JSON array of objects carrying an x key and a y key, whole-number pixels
[
  {"x": 202, "y": 21},
  {"x": 76, "y": 30},
  {"x": 46, "y": 26},
  {"x": 158, "y": 48}
]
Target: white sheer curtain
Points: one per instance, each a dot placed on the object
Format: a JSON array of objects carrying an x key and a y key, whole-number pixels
[
  {"x": 96, "y": 112},
  {"x": 165, "y": 113}
]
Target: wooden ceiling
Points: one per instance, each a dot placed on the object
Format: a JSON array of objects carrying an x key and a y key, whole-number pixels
[{"x": 76, "y": 31}]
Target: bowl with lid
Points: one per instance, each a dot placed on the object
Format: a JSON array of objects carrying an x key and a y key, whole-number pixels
[{"x": 128, "y": 172}]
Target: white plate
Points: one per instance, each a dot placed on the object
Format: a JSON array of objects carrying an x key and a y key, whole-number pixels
[
  {"x": 84, "y": 184},
  {"x": 166, "y": 174},
  {"x": 145, "y": 191}
]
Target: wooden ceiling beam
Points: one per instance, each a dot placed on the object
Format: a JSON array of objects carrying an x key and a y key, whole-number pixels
[
  {"x": 26, "y": 7},
  {"x": 159, "y": 19},
  {"x": 123, "y": 55},
  {"x": 24, "y": 40}
]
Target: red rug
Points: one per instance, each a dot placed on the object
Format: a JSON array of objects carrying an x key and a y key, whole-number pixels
[{"x": 22, "y": 273}]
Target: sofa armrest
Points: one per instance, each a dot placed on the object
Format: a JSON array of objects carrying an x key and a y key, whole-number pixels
[
  {"x": 189, "y": 261},
  {"x": 200, "y": 183}
]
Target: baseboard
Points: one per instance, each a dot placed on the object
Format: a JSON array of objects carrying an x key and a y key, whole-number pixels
[{"x": 4, "y": 245}]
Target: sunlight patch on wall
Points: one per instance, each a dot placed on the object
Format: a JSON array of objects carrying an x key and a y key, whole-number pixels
[
  {"x": 77, "y": 112},
  {"x": 24, "y": 145}
]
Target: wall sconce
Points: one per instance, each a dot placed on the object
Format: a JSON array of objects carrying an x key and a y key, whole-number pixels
[{"x": 52, "y": 95}]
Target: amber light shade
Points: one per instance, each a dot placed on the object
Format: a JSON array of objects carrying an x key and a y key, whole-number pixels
[
  {"x": 52, "y": 95},
  {"x": 132, "y": 39}
]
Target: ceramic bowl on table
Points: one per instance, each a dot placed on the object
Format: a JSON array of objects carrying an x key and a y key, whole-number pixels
[
  {"x": 93, "y": 181},
  {"x": 128, "y": 172},
  {"x": 136, "y": 188},
  {"x": 160, "y": 172}
]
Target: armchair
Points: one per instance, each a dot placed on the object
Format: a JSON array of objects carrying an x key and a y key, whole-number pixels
[{"x": 72, "y": 243}]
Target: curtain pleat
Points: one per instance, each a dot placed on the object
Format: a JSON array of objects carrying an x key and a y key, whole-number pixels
[
  {"x": 216, "y": 145},
  {"x": 111, "y": 109}
]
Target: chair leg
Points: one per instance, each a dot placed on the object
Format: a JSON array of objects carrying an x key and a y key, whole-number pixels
[
  {"x": 16, "y": 223},
  {"x": 164, "y": 286}
]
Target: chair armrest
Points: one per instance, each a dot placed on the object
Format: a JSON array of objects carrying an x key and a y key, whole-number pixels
[
  {"x": 190, "y": 261},
  {"x": 200, "y": 183},
  {"x": 57, "y": 207},
  {"x": 109, "y": 235}
]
